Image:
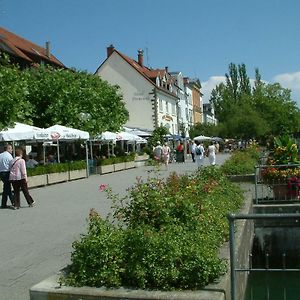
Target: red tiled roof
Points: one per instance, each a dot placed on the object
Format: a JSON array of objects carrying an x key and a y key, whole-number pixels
[
  {"x": 24, "y": 49},
  {"x": 149, "y": 74}
]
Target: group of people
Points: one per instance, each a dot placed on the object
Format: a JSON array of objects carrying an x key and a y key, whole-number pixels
[
  {"x": 13, "y": 172},
  {"x": 198, "y": 152},
  {"x": 162, "y": 153}
]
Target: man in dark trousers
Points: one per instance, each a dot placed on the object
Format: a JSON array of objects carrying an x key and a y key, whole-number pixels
[{"x": 5, "y": 158}]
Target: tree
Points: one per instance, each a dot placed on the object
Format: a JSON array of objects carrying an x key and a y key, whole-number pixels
[
  {"x": 13, "y": 95},
  {"x": 204, "y": 129},
  {"x": 75, "y": 99},
  {"x": 263, "y": 110},
  {"x": 158, "y": 135}
]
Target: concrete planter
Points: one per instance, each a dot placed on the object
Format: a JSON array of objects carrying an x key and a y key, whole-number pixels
[
  {"x": 119, "y": 166},
  {"x": 105, "y": 169},
  {"x": 57, "y": 177},
  {"x": 51, "y": 289},
  {"x": 77, "y": 174},
  {"x": 38, "y": 180},
  {"x": 129, "y": 164}
]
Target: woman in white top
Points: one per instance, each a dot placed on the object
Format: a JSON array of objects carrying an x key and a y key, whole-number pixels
[
  {"x": 212, "y": 154},
  {"x": 166, "y": 154}
]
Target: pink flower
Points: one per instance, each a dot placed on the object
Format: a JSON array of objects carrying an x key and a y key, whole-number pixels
[{"x": 102, "y": 187}]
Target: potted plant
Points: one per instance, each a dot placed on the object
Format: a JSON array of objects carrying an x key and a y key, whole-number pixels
[{"x": 282, "y": 170}]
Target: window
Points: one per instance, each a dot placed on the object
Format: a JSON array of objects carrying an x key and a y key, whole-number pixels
[
  {"x": 167, "y": 107},
  {"x": 160, "y": 105}
]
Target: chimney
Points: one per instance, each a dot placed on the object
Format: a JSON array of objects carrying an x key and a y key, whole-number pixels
[
  {"x": 110, "y": 50},
  {"x": 48, "y": 54},
  {"x": 141, "y": 57},
  {"x": 166, "y": 68}
]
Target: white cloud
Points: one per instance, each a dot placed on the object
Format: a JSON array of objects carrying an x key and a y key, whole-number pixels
[
  {"x": 290, "y": 81},
  {"x": 209, "y": 85}
]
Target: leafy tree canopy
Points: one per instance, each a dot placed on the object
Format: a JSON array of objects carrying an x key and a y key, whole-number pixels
[
  {"x": 248, "y": 112},
  {"x": 46, "y": 96},
  {"x": 75, "y": 99},
  {"x": 13, "y": 96}
]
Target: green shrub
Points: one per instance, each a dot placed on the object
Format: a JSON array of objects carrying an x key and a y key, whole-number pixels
[
  {"x": 56, "y": 168},
  {"x": 167, "y": 236},
  {"x": 105, "y": 161},
  {"x": 241, "y": 162}
]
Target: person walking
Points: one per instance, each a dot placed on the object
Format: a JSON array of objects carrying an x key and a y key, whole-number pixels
[
  {"x": 199, "y": 152},
  {"x": 18, "y": 178},
  {"x": 5, "y": 158},
  {"x": 166, "y": 154},
  {"x": 193, "y": 150},
  {"x": 157, "y": 152},
  {"x": 212, "y": 153}
]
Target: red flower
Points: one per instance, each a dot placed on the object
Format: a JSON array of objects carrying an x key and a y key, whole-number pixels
[{"x": 102, "y": 187}]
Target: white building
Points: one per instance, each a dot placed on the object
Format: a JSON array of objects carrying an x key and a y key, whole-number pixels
[{"x": 149, "y": 95}]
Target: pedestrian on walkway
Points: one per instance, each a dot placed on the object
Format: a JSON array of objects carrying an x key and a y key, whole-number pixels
[
  {"x": 212, "y": 154},
  {"x": 18, "y": 178},
  {"x": 157, "y": 152},
  {"x": 199, "y": 152},
  {"x": 5, "y": 158},
  {"x": 166, "y": 154},
  {"x": 193, "y": 150}
]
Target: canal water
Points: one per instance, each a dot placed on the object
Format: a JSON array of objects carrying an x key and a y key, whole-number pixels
[
  {"x": 275, "y": 248},
  {"x": 273, "y": 286}
]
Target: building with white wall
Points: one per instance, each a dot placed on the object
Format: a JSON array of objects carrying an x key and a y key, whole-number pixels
[{"x": 149, "y": 94}]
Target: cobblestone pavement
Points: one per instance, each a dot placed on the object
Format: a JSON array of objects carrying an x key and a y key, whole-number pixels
[{"x": 37, "y": 242}]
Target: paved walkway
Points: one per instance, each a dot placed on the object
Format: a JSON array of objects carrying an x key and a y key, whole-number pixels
[{"x": 35, "y": 243}]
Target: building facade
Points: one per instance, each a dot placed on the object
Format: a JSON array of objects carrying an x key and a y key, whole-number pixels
[{"x": 149, "y": 94}]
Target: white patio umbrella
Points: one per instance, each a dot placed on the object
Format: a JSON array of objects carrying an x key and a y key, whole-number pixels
[
  {"x": 63, "y": 133},
  {"x": 127, "y": 136},
  {"x": 202, "y": 138},
  {"x": 19, "y": 132},
  {"x": 138, "y": 132},
  {"x": 106, "y": 136}
]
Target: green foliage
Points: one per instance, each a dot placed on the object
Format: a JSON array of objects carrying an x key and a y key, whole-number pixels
[
  {"x": 14, "y": 92},
  {"x": 98, "y": 258},
  {"x": 75, "y": 99},
  {"x": 45, "y": 96},
  {"x": 157, "y": 135},
  {"x": 116, "y": 159},
  {"x": 167, "y": 235},
  {"x": 241, "y": 162},
  {"x": 205, "y": 129},
  {"x": 265, "y": 110},
  {"x": 56, "y": 168},
  {"x": 285, "y": 150}
]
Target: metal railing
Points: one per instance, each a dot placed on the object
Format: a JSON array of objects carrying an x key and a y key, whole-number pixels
[{"x": 233, "y": 261}]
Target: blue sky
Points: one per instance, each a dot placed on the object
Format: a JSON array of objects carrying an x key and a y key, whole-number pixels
[{"x": 197, "y": 37}]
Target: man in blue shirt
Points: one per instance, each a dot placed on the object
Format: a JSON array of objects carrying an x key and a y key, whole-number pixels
[{"x": 5, "y": 158}]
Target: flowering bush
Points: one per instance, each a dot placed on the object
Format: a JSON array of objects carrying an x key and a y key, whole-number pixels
[
  {"x": 282, "y": 161},
  {"x": 163, "y": 235},
  {"x": 275, "y": 174},
  {"x": 285, "y": 151}
]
